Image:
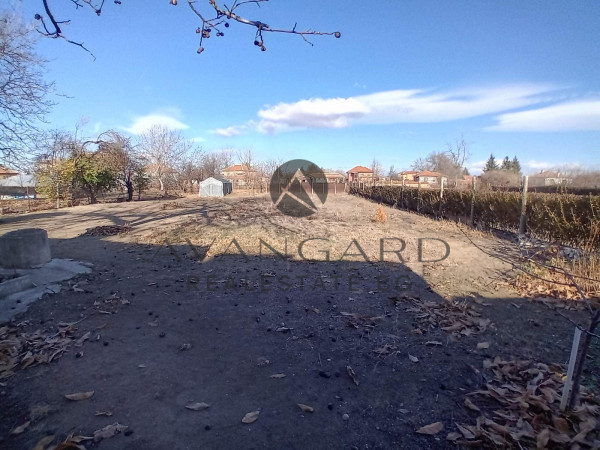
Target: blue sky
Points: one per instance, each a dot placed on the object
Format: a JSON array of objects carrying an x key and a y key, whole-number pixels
[{"x": 406, "y": 78}]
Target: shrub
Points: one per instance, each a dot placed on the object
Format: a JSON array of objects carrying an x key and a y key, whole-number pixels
[{"x": 567, "y": 219}]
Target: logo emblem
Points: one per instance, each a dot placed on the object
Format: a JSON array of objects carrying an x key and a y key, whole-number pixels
[{"x": 292, "y": 185}]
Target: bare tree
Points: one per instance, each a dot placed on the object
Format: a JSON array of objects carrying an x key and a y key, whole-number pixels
[
  {"x": 420, "y": 164},
  {"x": 23, "y": 91},
  {"x": 123, "y": 158},
  {"x": 267, "y": 168},
  {"x": 213, "y": 163},
  {"x": 212, "y": 22},
  {"x": 501, "y": 178},
  {"x": 377, "y": 168},
  {"x": 458, "y": 152},
  {"x": 190, "y": 170},
  {"x": 164, "y": 149}
]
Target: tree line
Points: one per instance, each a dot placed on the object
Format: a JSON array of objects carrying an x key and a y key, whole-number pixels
[{"x": 68, "y": 167}]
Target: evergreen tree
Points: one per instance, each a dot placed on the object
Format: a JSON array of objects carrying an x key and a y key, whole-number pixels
[
  {"x": 506, "y": 164},
  {"x": 491, "y": 164},
  {"x": 515, "y": 165}
]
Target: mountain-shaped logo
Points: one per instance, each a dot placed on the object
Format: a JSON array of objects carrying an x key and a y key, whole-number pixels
[{"x": 291, "y": 184}]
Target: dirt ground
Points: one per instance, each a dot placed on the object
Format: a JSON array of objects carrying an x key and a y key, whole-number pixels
[{"x": 188, "y": 307}]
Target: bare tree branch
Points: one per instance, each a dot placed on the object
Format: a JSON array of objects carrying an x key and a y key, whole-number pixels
[
  {"x": 23, "y": 91},
  {"x": 220, "y": 17}
]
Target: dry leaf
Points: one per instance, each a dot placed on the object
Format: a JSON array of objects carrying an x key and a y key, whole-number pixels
[
  {"x": 305, "y": 408},
  {"x": 483, "y": 345},
  {"x": 453, "y": 436},
  {"x": 278, "y": 375},
  {"x": 433, "y": 343},
  {"x": 43, "y": 442},
  {"x": 468, "y": 434},
  {"x": 251, "y": 417},
  {"x": 185, "y": 347},
  {"x": 413, "y": 358},
  {"x": 472, "y": 406},
  {"x": 79, "y": 396},
  {"x": 104, "y": 413},
  {"x": 432, "y": 428},
  {"x": 83, "y": 338},
  {"x": 20, "y": 428},
  {"x": 153, "y": 324},
  {"x": 542, "y": 438},
  {"x": 197, "y": 406},
  {"x": 352, "y": 374},
  {"x": 109, "y": 431}
]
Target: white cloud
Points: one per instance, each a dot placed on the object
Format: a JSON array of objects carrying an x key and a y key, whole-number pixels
[
  {"x": 198, "y": 139},
  {"x": 397, "y": 106},
  {"x": 538, "y": 165},
  {"x": 229, "y": 131},
  {"x": 571, "y": 116},
  {"x": 235, "y": 130},
  {"x": 476, "y": 167},
  {"x": 144, "y": 123}
]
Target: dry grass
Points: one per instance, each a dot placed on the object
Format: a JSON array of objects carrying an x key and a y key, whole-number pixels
[{"x": 549, "y": 279}]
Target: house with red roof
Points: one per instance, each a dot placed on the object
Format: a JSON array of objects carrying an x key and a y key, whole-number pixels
[
  {"x": 360, "y": 173},
  {"x": 429, "y": 177},
  {"x": 241, "y": 175}
]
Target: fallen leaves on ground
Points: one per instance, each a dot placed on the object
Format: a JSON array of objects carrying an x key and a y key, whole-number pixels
[
  {"x": 432, "y": 428},
  {"x": 520, "y": 407},
  {"x": 44, "y": 442},
  {"x": 305, "y": 408},
  {"x": 20, "y": 428},
  {"x": 352, "y": 374},
  {"x": 19, "y": 349},
  {"x": 251, "y": 417},
  {"x": 455, "y": 317},
  {"x": 73, "y": 442},
  {"x": 109, "y": 431},
  {"x": 355, "y": 320},
  {"x": 107, "y": 230},
  {"x": 198, "y": 406},
  {"x": 79, "y": 395}
]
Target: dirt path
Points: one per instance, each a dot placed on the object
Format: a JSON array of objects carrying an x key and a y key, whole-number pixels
[{"x": 169, "y": 329}]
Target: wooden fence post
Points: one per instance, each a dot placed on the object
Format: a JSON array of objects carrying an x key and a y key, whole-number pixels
[
  {"x": 419, "y": 195},
  {"x": 472, "y": 218},
  {"x": 568, "y": 386},
  {"x": 523, "y": 219},
  {"x": 441, "y": 195}
]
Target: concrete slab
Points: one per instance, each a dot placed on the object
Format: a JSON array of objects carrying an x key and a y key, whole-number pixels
[{"x": 45, "y": 280}]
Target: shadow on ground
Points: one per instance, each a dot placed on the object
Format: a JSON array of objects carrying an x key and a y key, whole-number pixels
[{"x": 246, "y": 320}]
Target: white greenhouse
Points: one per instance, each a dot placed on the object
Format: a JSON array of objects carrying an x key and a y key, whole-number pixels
[{"x": 215, "y": 187}]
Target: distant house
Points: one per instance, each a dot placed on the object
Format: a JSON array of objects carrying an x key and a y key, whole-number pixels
[
  {"x": 408, "y": 175},
  {"x": 240, "y": 174},
  {"x": 548, "y": 178},
  {"x": 5, "y": 172},
  {"x": 326, "y": 177},
  {"x": 360, "y": 173},
  {"x": 429, "y": 177},
  {"x": 17, "y": 186},
  {"x": 214, "y": 187}
]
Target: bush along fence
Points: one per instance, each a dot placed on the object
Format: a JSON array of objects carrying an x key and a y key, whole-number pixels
[{"x": 566, "y": 219}]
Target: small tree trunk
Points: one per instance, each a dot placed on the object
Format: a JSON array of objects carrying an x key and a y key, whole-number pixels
[{"x": 129, "y": 186}]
